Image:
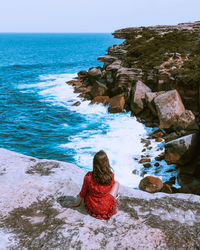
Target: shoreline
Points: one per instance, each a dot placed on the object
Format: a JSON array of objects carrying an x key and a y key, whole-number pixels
[{"x": 150, "y": 96}]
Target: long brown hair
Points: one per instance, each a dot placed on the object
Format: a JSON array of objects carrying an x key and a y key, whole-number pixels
[{"x": 101, "y": 173}]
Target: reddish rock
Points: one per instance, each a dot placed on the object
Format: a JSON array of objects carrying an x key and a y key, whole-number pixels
[
  {"x": 99, "y": 89},
  {"x": 169, "y": 107},
  {"x": 149, "y": 99},
  {"x": 117, "y": 104},
  {"x": 101, "y": 99},
  {"x": 76, "y": 83},
  {"x": 158, "y": 139},
  {"x": 151, "y": 184},
  {"x": 166, "y": 189},
  {"x": 143, "y": 160},
  {"x": 138, "y": 96},
  {"x": 147, "y": 165},
  {"x": 157, "y": 133},
  {"x": 82, "y": 89}
]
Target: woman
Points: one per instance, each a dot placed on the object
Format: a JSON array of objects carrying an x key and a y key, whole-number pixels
[{"x": 99, "y": 189}]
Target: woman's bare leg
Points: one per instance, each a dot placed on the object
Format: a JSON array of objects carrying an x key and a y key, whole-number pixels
[{"x": 114, "y": 189}]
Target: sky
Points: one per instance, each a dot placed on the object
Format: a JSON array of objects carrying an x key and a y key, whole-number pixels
[{"x": 93, "y": 15}]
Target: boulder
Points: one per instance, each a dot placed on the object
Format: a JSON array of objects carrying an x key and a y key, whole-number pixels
[
  {"x": 94, "y": 72},
  {"x": 149, "y": 100},
  {"x": 82, "y": 74},
  {"x": 181, "y": 150},
  {"x": 138, "y": 96},
  {"x": 101, "y": 99},
  {"x": 116, "y": 65},
  {"x": 117, "y": 104},
  {"x": 169, "y": 107},
  {"x": 151, "y": 184},
  {"x": 99, "y": 89},
  {"x": 187, "y": 121}
]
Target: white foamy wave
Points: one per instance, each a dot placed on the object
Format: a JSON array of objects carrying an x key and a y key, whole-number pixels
[
  {"x": 121, "y": 142},
  {"x": 119, "y": 135}
]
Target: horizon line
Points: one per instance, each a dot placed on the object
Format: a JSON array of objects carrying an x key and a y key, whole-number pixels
[{"x": 51, "y": 32}]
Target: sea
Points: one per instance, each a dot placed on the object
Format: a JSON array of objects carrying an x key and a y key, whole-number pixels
[{"x": 36, "y": 113}]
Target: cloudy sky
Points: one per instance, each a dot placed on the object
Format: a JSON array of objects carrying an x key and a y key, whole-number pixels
[{"x": 92, "y": 15}]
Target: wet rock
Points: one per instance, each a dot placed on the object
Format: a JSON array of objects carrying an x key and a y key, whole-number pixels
[
  {"x": 156, "y": 164},
  {"x": 151, "y": 184},
  {"x": 160, "y": 157},
  {"x": 99, "y": 89},
  {"x": 75, "y": 83},
  {"x": 82, "y": 74},
  {"x": 166, "y": 189},
  {"x": 181, "y": 150},
  {"x": 76, "y": 103},
  {"x": 101, "y": 99},
  {"x": 138, "y": 96},
  {"x": 147, "y": 165},
  {"x": 144, "y": 160},
  {"x": 82, "y": 89},
  {"x": 169, "y": 107},
  {"x": 157, "y": 134},
  {"x": 158, "y": 139},
  {"x": 117, "y": 104}
]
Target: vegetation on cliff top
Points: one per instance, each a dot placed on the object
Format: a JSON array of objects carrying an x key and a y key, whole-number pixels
[{"x": 149, "y": 49}]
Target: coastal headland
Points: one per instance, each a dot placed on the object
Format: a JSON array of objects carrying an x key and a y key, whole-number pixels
[{"x": 154, "y": 74}]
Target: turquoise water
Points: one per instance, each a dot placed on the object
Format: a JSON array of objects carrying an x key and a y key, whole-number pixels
[{"x": 36, "y": 113}]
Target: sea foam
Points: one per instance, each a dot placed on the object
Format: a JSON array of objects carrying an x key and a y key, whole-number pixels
[{"x": 119, "y": 135}]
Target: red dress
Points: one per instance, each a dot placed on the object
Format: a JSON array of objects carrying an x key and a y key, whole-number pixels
[{"x": 98, "y": 201}]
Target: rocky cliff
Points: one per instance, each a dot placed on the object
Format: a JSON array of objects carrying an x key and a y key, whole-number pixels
[
  {"x": 34, "y": 212},
  {"x": 154, "y": 74}
]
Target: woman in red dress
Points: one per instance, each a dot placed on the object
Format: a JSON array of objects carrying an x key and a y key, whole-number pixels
[{"x": 99, "y": 189}]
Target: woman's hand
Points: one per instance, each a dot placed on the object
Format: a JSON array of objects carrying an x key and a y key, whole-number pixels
[{"x": 77, "y": 204}]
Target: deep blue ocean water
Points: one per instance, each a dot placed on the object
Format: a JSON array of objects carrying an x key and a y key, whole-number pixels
[{"x": 36, "y": 113}]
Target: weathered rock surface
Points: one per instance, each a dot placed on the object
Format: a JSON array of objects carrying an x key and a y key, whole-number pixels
[
  {"x": 117, "y": 104},
  {"x": 31, "y": 215},
  {"x": 94, "y": 72},
  {"x": 101, "y": 99},
  {"x": 138, "y": 96},
  {"x": 169, "y": 107}
]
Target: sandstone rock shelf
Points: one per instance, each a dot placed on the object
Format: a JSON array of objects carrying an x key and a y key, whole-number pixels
[{"x": 34, "y": 194}]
